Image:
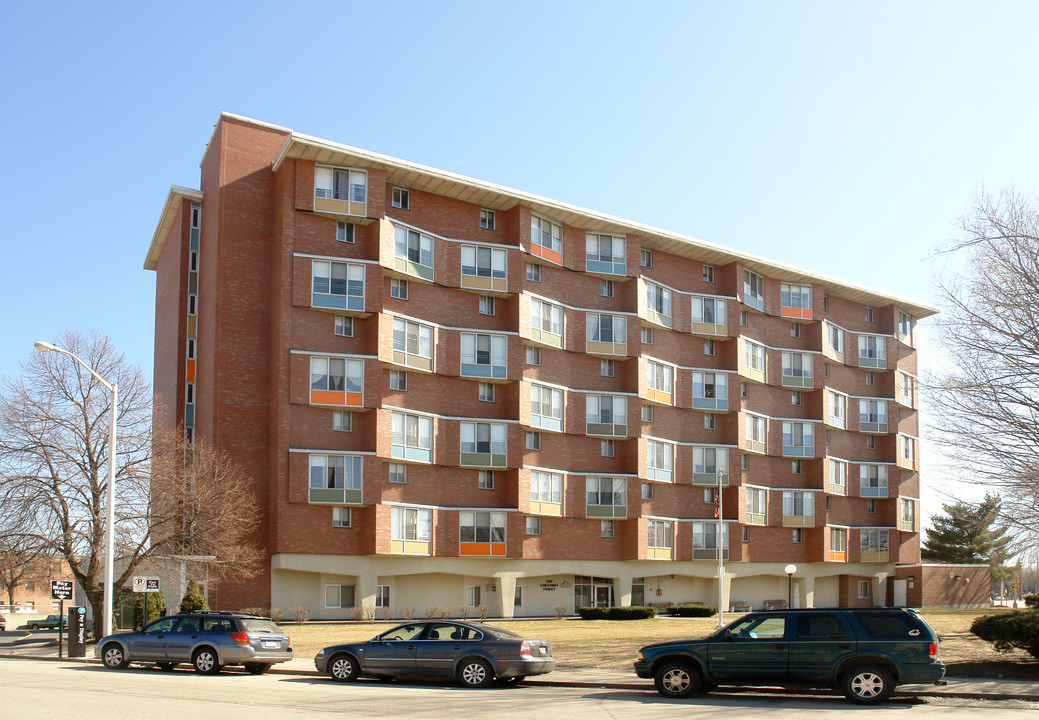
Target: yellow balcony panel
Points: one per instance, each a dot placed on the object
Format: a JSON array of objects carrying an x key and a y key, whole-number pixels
[
  {"x": 658, "y": 553},
  {"x": 754, "y": 446},
  {"x": 411, "y": 547},
  {"x": 339, "y": 207},
  {"x": 595, "y": 347},
  {"x": 838, "y": 556},
  {"x": 709, "y": 329},
  {"x": 412, "y": 361},
  {"x": 873, "y": 557},
  {"x": 546, "y": 338},
  {"x": 659, "y": 396},
  {"x": 546, "y": 508},
  {"x": 801, "y": 521},
  {"x": 477, "y": 282}
]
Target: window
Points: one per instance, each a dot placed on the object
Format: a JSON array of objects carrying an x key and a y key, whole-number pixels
[
  {"x": 533, "y": 356},
  {"x": 340, "y": 517},
  {"x": 413, "y": 252},
  {"x": 485, "y": 479},
  {"x": 344, "y": 325},
  {"x": 658, "y": 302},
  {"x": 647, "y": 335},
  {"x": 797, "y": 369},
  {"x": 606, "y": 496},
  {"x": 345, "y": 232},
  {"x": 398, "y": 473},
  {"x": 826, "y": 302},
  {"x": 647, "y": 413},
  {"x": 337, "y": 285},
  {"x": 399, "y": 288},
  {"x": 606, "y": 415},
  {"x": 401, "y": 198},
  {"x": 906, "y": 387},
  {"x": 705, "y": 540},
  {"x": 744, "y": 390},
  {"x": 647, "y": 491},
  {"x": 744, "y": 318},
  {"x": 756, "y": 505},
  {"x": 709, "y": 311},
  {"x": 754, "y": 356},
  {"x": 342, "y": 421},
  {"x": 546, "y": 322},
  {"x": 905, "y": 327},
  {"x": 710, "y": 348},
  {"x": 518, "y": 596},
  {"x": 533, "y": 525},
  {"x": 872, "y": 416},
  {"x": 799, "y": 508},
  {"x": 660, "y": 538},
  {"x": 482, "y": 443},
  {"x": 659, "y": 459},
  {"x": 796, "y": 467},
  {"x": 546, "y": 235},
  {"x": 398, "y": 380},
  {"x": 481, "y": 527},
  {"x": 606, "y": 528},
  {"x": 339, "y": 596},
  {"x": 606, "y": 367},
  {"x": 337, "y": 375},
  {"x": 606, "y": 448},
  {"x": 873, "y": 480},
  {"x": 533, "y": 271},
  {"x": 382, "y": 596},
  {"x": 798, "y": 536},
  {"x": 795, "y": 398},
  {"x": 869, "y": 314},
  {"x": 708, "y": 273},
  {"x": 871, "y": 442},
  {"x": 753, "y": 290},
  {"x": 795, "y": 330},
  {"x": 863, "y": 589},
  {"x": 908, "y": 449},
  {"x": 756, "y": 433},
  {"x": 838, "y": 409},
  {"x": 871, "y": 506},
  {"x": 486, "y": 392},
  {"x": 795, "y": 300},
  {"x": 872, "y": 351},
  {"x": 334, "y": 472},
  {"x": 189, "y": 393},
  {"x": 836, "y": 339},
  {"x": 605, "y": 253},
  {"x": 798, "y": 439},
  {"x": 710, "y": 421},
  {"x": 710, "y": 391},
  {"x": 412, "y": 344},
  {"x": 907, "y": 522},
  {"x": 486, "y": 305},
  {"x": 340, "y": 184},
  {"x": 646, "y": 258},
  {"x": 546, "y": 407},
  {"x": 483, "y": 262},
  {"x": 746, "y": 534},
  {"x": 546, "y": 487},
  {"x": 827, "y": 441},
  {"x": 872, "y": 543},
  {"x": 533, "y": 440},
  {"x": 606, "y": 329},
  {"x": 710, "y": 465},
  {"x": 487, "y": 218},
  {"x": 838, "y": 544},
  {"x": 412, "y": 437},
  {"x": 660, "y": 381},
  {"x": 411, "y": 524},
  {"x": 838, "y": 477}
]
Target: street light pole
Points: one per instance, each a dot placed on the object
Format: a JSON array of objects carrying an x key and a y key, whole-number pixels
[
  {"x": 790, "y": 570},
  {"x": 42, "y": 346},
  {"x": 721, "y": 559}
]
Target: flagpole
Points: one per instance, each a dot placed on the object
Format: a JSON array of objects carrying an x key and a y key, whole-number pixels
[{"x": 721, "y": 559}]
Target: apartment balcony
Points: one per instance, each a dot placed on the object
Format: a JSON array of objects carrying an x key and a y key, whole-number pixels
[
  {"x": 799, "y": 521},
  {"x": 411, "y": 547},
  {"x": 335, "y": 496}
]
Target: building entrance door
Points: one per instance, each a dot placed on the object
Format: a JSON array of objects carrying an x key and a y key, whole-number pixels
[
  {"x": 899, "y": 599},
  {"x": 603, "y": 595}
]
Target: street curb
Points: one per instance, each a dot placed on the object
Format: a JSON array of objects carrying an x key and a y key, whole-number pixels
[{"x": 614, "y": 685}]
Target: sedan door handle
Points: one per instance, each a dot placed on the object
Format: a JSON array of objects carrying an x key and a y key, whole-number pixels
[
  {"x": 194, "y": 637},
  {"x": 458, "y": 647},
  {"x": 411, "y": 647},
  {"x": 781, "y": 646}
]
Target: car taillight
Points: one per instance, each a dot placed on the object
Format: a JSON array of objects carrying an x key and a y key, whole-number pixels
[
  {"x": 932, "y": 650},
  {"x": 241, "y": 637},
  {"x": 525, "y": 649}
]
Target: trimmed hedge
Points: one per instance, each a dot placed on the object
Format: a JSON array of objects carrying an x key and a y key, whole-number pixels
[
  {"x": 691, "y": 610},
  {"x": 1032, "y": 601},
  {"x": 1010, "y": 630},
  {"x": 637, "y": 612}
]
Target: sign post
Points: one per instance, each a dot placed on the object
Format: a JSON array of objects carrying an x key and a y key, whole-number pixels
[
  {"x": 61, "y": 590},
  {"x": 145, "y": 584}
]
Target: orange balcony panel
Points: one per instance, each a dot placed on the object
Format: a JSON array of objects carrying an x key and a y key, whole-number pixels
[
  {"x": 802, "y": 313},
  {"x": 546, "y": 254},
  {"x": 333, "y": 397},
  {"x": 482, "y": 549},
  {"x": 838, "y": 556},
  {"x": 191, "y": 371}
]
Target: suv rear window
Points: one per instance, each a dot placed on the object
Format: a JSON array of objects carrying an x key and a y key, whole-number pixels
[
  {"x": 820, "y": 625},
  {"x": 890, "y": 625},
  {"x": 258, "y": 625}
]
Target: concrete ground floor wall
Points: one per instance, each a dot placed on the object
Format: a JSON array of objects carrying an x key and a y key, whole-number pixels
[{"x": 332, "y": 587}]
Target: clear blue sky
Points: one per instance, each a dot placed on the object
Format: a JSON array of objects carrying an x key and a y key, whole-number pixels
[{"x": 842, "y": 137}]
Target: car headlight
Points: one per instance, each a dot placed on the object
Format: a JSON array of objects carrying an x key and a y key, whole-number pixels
[{"x": 641, "y": 658}]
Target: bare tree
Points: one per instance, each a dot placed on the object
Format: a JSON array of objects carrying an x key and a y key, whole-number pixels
[
  {"x": 54, "y": 432},
  {"x": 988, "y": 402},
  {"x": 22, "y": 559}
]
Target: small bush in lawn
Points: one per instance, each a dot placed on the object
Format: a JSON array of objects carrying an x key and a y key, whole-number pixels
[
  {"x": 483, "y": 610},
  {"x": 277, "y": 614},
  {"x": 464, "y": 611},
  {"x": 1010, "y": 630},
  {"x": 1032, "y": 601},
  {"x": 407, "y": 614},
  {"x": 357, "y": 613},
  {"x": 691, "y": 610},
  {"x": 616, "y": 613},
  {"x": 300, "y": 615},
  {"x": 561, "y": 611}
]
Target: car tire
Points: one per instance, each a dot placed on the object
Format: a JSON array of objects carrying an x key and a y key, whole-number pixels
[
  {"x": 34, "y": 627},
  {"x": 165, "y": 666},
  {"x": 343, "y": 668},
  {"x": 867, "y": 684},
  {"x": 257, "y": 668},
  {"x": 475, "y": 672},
  {"x": 205, "y": 661},
  {"x": 677, "y": 680},
  {"x": 114, "y": 657}
]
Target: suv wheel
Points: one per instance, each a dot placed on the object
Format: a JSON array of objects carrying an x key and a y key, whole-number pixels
[
  {"x": 205, "y": 661},
  {"x": 677, "y": 680},
  {"x": 867, "y": 685}
]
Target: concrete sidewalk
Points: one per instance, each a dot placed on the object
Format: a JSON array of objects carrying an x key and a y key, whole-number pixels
[{"x": 597, "y": 678}]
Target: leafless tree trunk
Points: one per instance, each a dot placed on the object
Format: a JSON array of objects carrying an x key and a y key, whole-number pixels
[{"x": 988, "y": 402}]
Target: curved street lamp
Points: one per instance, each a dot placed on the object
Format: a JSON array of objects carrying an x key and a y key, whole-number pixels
[
  {"x": 42, "y": 346},
  {"x": 790, "y": 570}
]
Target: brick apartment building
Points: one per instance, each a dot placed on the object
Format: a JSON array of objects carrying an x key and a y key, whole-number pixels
[{"x": 448, "y": 392}]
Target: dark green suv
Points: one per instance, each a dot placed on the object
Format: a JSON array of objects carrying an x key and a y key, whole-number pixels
[{"x": 863, "y": 652}]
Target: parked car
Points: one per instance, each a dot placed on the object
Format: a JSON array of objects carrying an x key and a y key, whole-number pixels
[
  {"x": 476, "y": 654},
  {"x": 864, "y": 653},
  {"x": 209, "y": 641},
  {"x": 3, "y": 623},
  {"x": 50, "y": 623}
]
